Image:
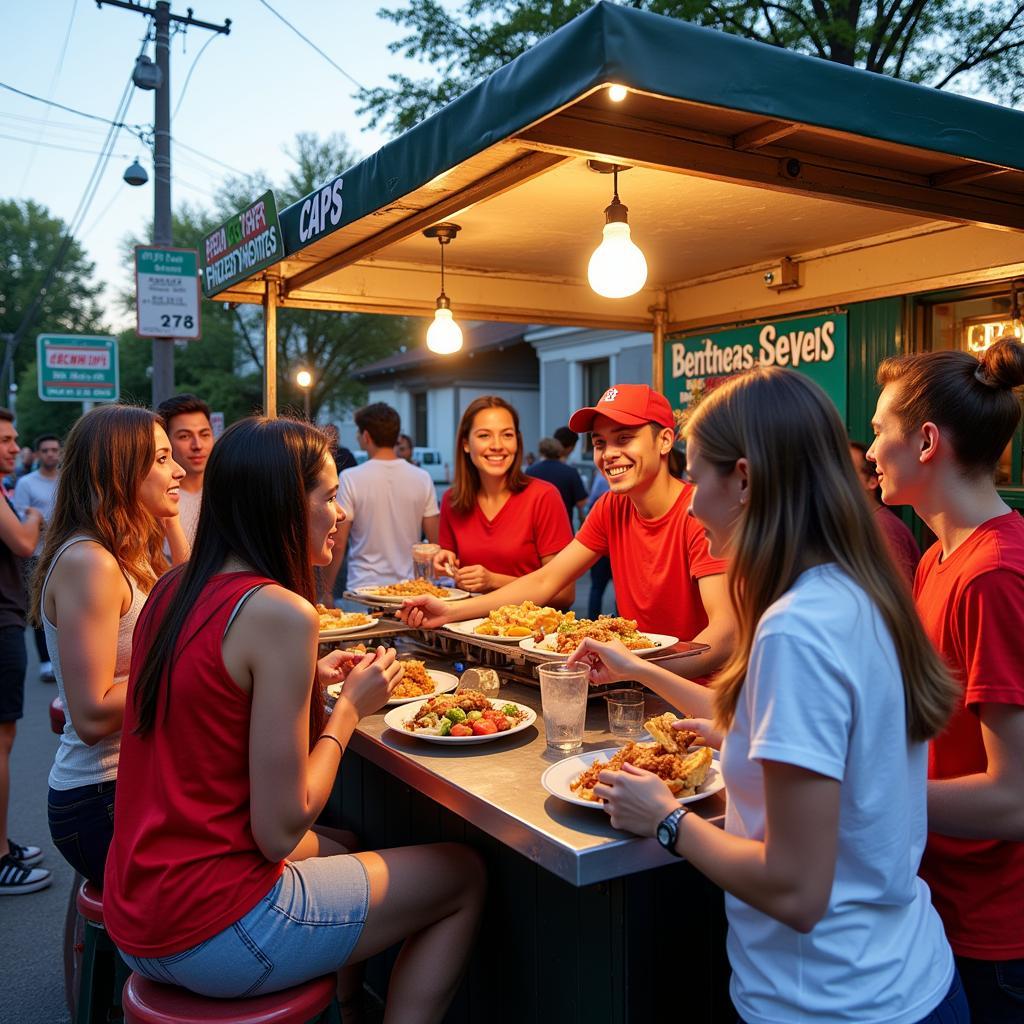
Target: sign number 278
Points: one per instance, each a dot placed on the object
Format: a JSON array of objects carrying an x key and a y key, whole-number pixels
[{"x": 177, "y": 320}]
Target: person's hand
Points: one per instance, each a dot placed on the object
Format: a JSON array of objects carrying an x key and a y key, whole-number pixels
[
  {"x": 607, "y": 663},
  {"x": 425, "y": 612},
  {"x": 334, "y": 667},
  {"x": 445, "y": 563},
  {"x": 635, "y": 800},
  {"x": 706, "y": 732},
  {"x": 474, "y": 578},
  {"x": 369, "y": 683}
]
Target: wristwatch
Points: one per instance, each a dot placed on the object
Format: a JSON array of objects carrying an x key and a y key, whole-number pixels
[{"x": 668, "y": 830}]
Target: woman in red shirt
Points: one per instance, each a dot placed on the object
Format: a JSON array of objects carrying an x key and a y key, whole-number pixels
[
  {"x": 497, "y": 523},
  {"x": 215, "y": 880},
  {"x": 942, "y": 422}
]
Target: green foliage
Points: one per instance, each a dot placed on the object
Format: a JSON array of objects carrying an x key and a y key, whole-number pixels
[{"x": 974, "y": 43}]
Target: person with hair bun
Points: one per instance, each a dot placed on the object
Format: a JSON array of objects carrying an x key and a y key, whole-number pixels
[{"x": 942, "y": 422}]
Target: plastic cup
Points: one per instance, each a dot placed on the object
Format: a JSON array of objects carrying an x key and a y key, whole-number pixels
[
  {"x": 625, "y": 714},
  {"x": 563, "y": 698},
  {"x": 423, "y": 560}
]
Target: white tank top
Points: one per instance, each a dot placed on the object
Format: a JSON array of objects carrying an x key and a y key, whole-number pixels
[{"x": 77, "y": 764}]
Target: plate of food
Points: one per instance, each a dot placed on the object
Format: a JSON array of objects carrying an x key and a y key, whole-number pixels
[
  {"x": 334, "y": 622},
  {"x": 604, "y": 628},
  {"x": 396, "y": 593},
  {"x": 692, "y": 773},
  {"x": 465, "y": 717},
  {"x": 511, "y": 623},
  {"x": 417, "y": 683}
]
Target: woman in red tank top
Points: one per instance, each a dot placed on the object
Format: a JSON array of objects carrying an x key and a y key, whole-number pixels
[{"x": 215, "y": 879}]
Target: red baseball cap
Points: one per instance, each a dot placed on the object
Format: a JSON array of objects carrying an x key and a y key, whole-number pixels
[{"x": 632, "y": 405}]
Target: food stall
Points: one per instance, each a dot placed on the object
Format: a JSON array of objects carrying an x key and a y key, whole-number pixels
[{"x": 790, "y": 211}]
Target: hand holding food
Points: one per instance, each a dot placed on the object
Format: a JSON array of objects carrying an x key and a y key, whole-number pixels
[
  {"x": 474, "y": 578},
  {"x": 636, "y": 800},
  {"x": 369, "y": 684},
  {"x": 703, "y": 730},
  {"x": 334, "y": 667},
  {"x": 425, "y": 612},
  {"x": 608, "y": 662},
  {"x": 445, "y": 563}
]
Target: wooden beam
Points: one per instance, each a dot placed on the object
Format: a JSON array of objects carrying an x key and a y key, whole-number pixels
[
  {"x": 796, "y": 174},
  {"x": 510, "y": 176},
  {"x": 762, "y": 134},
  {"x": 963, "y": 175}
]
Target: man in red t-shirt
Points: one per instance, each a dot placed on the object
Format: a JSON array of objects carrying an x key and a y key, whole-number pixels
[{"x": 664, "y": 577}]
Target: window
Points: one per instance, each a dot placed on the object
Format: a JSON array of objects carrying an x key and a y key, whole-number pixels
[
  {"x": 597, "y": 379},
  {"x": 419, "y": 418}
]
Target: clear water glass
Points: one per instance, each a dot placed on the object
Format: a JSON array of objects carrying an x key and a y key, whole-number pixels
[
  {"x": 625, "y": 714},
  {"x": 423, "y": 560},
  {"x": 563, "y": 698}
]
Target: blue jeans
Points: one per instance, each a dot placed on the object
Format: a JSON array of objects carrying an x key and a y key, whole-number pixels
[
  {"x": 82, "y": 825},
  {"x": 305, "y": 927},
  {"x": 995, "y": 989}
]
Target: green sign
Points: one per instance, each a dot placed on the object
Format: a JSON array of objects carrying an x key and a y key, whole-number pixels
[
  {"x": 77, "y": 368},
  {"x": 243, "y": 245},
  {"x": 166, "y": 292},
  {"x": 813, "y": 345}
]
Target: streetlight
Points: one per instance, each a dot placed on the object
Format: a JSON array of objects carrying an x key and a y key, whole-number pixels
[{"x": 305, "y": 381}]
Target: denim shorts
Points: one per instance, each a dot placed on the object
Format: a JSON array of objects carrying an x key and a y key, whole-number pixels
[
  {"x": 304, "y": 928},
  {"x": 82, "y": 825}
]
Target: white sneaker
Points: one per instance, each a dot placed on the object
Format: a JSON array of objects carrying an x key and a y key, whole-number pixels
[
  {"x": 16, "y": 879},
  {"x": 46, "y": 672}
]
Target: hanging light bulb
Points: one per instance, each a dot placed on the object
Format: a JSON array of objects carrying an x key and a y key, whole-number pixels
[
  {"x": 618, "y": 267},
  {"x": 444, "y": 336},
  {"x": 617, "y": 93}
]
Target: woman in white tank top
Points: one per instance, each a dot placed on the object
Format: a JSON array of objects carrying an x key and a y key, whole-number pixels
[{"x": 116, "y": 502}]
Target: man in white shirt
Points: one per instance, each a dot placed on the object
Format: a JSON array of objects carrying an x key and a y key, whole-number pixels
[
  {"x": 187, "y": 419},
  {"x": 389, "y": 504}
]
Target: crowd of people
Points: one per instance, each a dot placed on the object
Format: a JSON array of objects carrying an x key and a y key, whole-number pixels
[{"x": 864, "y": 697}]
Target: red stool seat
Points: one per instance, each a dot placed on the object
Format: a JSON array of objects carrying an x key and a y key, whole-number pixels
[
  {"x": 149, "y": 1002},
  {"x": 57, "y": 715},
  {"x": 90, "y": 903}
]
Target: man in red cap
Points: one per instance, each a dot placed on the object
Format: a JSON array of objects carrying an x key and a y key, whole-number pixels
[{"x": 664, "y": 577}]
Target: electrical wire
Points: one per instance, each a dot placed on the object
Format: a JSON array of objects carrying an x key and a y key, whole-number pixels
[
  {"x": 135, "y": 129},
  {"x": 188, "y": 77},
  {"x": 67, "y": 149},
  {"x": 309, "y": 42}
]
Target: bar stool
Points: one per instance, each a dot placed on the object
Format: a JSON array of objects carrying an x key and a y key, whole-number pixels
[
  {"x": 103, "y": 972},
  {"x": 57, "y": 715},
  {"x": 149, "y": 1002}
]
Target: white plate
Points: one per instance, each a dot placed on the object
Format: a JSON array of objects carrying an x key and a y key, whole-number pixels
[
  {"x": 453, "y": 594},
  {"x": 661, "y": 641},
  {"x": 467, "y": 627},
  {"x": 444, "y": 682},
  {"x": 333, "y": 634},
  {"x": 397, "y": 718},
  {"x": 556, "y": 779}
]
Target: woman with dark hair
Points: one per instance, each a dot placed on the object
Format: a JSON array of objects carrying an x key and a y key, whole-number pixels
[
  {"x": 826, "y": 705},
  {"x": 215, "y": 879},
  {"x": 942, "y": 422},
  {"x": 117, "y": 501},
  {"x": 497, "y": 523}
]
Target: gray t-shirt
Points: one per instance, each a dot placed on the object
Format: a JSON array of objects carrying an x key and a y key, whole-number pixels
[{"x": 34, "y": 490}]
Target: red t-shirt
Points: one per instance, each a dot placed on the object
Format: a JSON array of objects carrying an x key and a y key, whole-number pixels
[
  {"x": 656, "y": 563},
  {"x": 530, "y": 526},
  {"x": 183, "y": 864},
  {"x": 902, "y": 546},
  {"x": 972, "y": 607}
]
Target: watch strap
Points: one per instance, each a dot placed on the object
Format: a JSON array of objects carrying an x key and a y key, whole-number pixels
[{"x": 668, "y": 830}]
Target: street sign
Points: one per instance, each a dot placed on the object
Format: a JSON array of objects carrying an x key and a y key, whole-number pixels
[
  {"x": 249, "y": 241},
  {"x": 166, "y": 292},
  {"x": 77, "y": 368}
]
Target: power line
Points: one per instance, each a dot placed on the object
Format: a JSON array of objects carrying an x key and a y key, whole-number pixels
[
  {"x": 67, "y": 149},
  {"x": 188, "y": 77},
  {"x": 309, "y": 42},
  {"x": 135, "y": 129},
  {"x": 206, "y": 156}
]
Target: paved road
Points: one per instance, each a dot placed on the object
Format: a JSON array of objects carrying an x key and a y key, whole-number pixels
[{"x": 32, "y": 926}]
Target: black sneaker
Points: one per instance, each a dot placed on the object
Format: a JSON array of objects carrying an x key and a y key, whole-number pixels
[
  {"x": 16, "y": 879},
  {"x": 26, "y": 856}
]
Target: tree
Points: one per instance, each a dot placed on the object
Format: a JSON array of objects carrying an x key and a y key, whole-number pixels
[{"x": 963, "y": 44}]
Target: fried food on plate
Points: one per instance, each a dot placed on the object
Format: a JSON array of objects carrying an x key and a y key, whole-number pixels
[
  {"x": 524, "y": 619},
  {"x": 408, "y": 588},
  {"x": 675, "y": 741},
  {"x": 335, "y": 618},
  {"x": 604, "y": 629},
  {"x": 416, "y": 682},
  {"x": 682, "y": 773}
]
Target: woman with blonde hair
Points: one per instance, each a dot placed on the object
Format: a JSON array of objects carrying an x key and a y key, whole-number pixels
[
  {"x": 823, "y": 715},
  {"x": 116, "y": 503},
  {"x": 943, "y": 421},
  {"x": 497, "y": 523}
]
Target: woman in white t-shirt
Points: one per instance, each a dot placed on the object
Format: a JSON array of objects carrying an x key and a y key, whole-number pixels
[{"x": 826, "y": 709}]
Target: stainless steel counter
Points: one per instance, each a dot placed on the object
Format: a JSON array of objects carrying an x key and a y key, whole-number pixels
[{"x": 496, "y": 787}]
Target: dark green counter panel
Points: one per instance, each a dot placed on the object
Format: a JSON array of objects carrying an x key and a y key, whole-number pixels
[{"x": 875, "y": 333}]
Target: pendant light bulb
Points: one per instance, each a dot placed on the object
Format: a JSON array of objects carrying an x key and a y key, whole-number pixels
[
  {"x": 618, "y": 267},
  {"x": 444, "y": 335}
]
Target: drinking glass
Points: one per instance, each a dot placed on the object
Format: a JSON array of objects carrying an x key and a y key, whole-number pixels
[
  {"x": 625, "y": 713},
  {"x": 563, "y": 698},
  {"x": 423, "y": 560}
]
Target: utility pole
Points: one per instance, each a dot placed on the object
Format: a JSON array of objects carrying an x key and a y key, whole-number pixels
[{"x": 163, "y": 348}]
